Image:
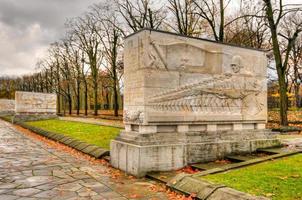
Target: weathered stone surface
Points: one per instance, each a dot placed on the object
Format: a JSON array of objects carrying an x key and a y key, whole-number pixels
[
  {"x": 188, "y": 100},
  {"x": 89, "y": 149},
  {"x": 99, "y": 152},
  {"x": 33, "y": 103},
  {"x": 7, "y": 106},
  {"x": 171, "y": 78}
]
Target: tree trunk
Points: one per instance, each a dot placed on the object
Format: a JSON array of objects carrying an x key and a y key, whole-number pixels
[
  {"x": 78, "y": 98},
  {"x": 279, "y": 65},
  {"x": 283, "y": 101},
  {"x": 116, "y": 106},
  {"x": 221, "y": 27},
  {"x": 297, "y": 95},
  {"x": 86, "y": 99},
  {"x": 69, "y": 104},
  {"x": 58, "y": 103},
  {"x": 95, "y": 98}
]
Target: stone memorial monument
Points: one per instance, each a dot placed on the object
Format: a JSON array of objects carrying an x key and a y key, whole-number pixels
[
  {"x": 189, "y": 100},
  {"x": 35, "y": 106},
  {"x": 7, "y": 107}
]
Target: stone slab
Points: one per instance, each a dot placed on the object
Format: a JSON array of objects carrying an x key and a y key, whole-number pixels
[
  {"x": 172, "y": 78},
  {"x": 76, "y": 143},
  {"x": 82, "y": 146},
  {"x": 89, "y": 149},
  {"x": 7, "y": 107},
  {"x": 35, "y": 103},
  {"x": 99, "y": 153}
]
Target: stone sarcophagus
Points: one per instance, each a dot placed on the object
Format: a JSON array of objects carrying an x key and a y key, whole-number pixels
[
  {"x": 7, "y": 106},
  {"x": 189, "y": 100},
  {"x": 33, "y": 106}
]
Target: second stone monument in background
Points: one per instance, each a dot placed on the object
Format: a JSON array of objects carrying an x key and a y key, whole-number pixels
[{"x": 35, "y": 106}]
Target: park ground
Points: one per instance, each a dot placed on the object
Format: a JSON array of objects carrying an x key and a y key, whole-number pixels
[
  {"x": 49, "y": 170},
  {"x": 279, "y": 179}
]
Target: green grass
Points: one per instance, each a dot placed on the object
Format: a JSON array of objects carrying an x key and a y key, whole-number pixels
[
  {"x": 90, "y": 133},
  {"x": 7, "y": 117},
  {"x": 279, "y": 179}
]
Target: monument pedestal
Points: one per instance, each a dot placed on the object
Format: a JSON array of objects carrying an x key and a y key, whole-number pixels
[{"x": 138, "y": 153}]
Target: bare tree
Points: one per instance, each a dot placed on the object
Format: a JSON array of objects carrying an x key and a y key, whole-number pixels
[
  {"x": 84, "y": 30},
  {"x": 111, "y": 38},
  {"x": 213, "y": 12},
  {"x": 248, "y": 31},
  {"x": 139, "y": 14},
  {"x": 185, "y": 20},
  {"x": 274, "y": 14}
]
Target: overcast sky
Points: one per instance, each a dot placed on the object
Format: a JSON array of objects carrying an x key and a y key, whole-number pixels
[{"x": 27, "y": 27}]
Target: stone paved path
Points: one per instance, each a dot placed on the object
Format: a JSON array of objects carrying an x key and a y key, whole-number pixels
[{"x": 31, "y": 170}]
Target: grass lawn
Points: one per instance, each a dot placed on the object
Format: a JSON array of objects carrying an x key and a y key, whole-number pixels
[
  {"x": 7, "y": 117},
  {"x": 90, "y": 133},
  {"x": 279, "y": 179}
]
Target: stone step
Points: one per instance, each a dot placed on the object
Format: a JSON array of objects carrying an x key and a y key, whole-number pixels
[
  {"x": 241, "y": 158},
  {"x": 163, "y": 177},
  {"x": 207, "y": 166},
  {"x": 273, "y": 150}
]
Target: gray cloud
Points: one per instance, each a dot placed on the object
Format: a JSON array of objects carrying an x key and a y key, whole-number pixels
[{"x": 27, "y": 27}]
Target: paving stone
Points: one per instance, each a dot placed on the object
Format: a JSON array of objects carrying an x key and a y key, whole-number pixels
[
  {"x": 111, "y": 195},
  {"x": 35, "y": 181},
  {"x": 8, "y": 186},
  {"x": 86, "y": 192},
  {"x": 8, "y": 197},
  {"x": 42, "y": 172},
  {"x": 71, "y": 187},
  {"x": 30, "y": 170},
  {"x": 47, "y": 194},
  {"x": 26, "y": 192},
  {"x": 93, "y": 184}
]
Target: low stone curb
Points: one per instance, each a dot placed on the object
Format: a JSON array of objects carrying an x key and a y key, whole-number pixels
[
  {"x": 205, "y": 190},
  {"x": 84, "y": 147}
]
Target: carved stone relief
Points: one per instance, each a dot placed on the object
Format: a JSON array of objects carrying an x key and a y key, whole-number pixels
[
  {"x": 180, "y": 56},
  {"x": 30, "y": 102},
  {"x": 177, "y": 78},
  {"x": 133, "y": 116},
  {"x": 224, "y": 94}
]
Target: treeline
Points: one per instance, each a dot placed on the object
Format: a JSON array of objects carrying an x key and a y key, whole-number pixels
[{"x": 85, "y": 67}]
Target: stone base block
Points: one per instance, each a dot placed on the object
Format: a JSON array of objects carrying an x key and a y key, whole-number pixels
[
  {"x": 6, "y": 113},
  {"x": 138, "y": 160},
  {"x": 144, "y": 153}
]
